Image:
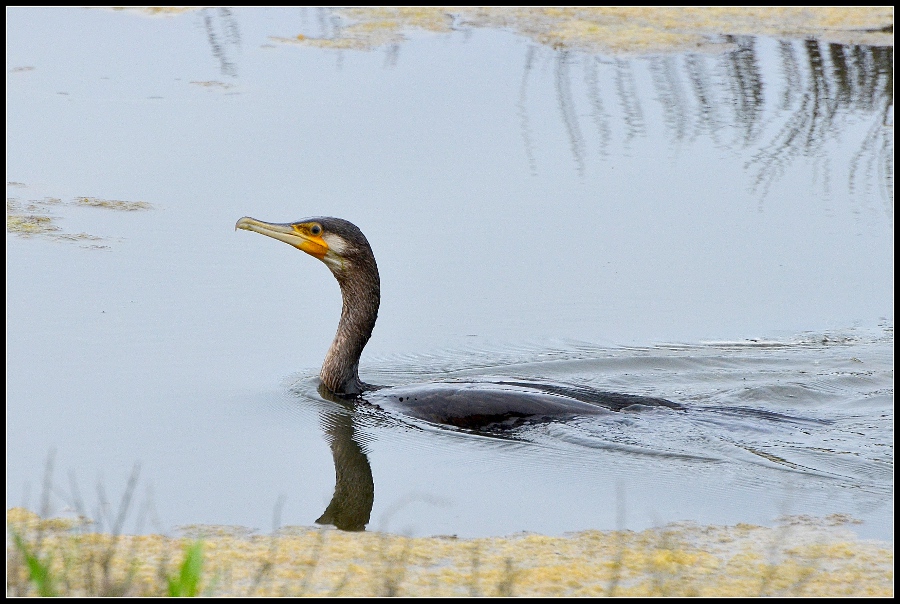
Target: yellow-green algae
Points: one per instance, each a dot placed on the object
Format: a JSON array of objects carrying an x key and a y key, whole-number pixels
[
  {"x": 31, "y": 219},
  {"x": 113, "y": 204},
  {"x": 614, "y": 30},
  {"x": 34, "y": 218},
  {"x": 155, "y": 11},
  {"x": 212, "y": 84},
  {"x": 802, "y": 557}
]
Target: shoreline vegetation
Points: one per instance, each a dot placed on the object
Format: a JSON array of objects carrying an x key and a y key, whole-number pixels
[
  {"x": 801, "y": 557},
  {"x": 606, "y": 29},
  {"x": 611, "y": 30}
]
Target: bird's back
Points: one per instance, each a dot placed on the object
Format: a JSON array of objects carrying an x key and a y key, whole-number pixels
[{"x": 476, "y": 405}]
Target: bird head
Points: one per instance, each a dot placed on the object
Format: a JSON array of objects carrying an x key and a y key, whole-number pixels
[{"x": 336, "y": 242}]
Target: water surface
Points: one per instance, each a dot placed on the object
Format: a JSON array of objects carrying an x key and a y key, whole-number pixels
[{"x": 714, "y": 228}]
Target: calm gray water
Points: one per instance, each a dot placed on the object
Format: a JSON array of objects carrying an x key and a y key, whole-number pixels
[{"x": 715, "y": 229}]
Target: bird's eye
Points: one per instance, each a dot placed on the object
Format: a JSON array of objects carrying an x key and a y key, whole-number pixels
[{"x": 315, "y": 229}]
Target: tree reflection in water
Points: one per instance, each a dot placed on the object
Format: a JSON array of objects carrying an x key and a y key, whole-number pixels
[
  {"x": 778, "y": 100},
  {"x": 820, "y": 91}
]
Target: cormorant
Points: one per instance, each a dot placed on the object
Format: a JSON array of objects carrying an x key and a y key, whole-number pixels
[{"x": 347, "y": 253}]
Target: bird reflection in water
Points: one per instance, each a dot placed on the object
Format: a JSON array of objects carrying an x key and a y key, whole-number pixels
[{"x": 354, "y": 488}]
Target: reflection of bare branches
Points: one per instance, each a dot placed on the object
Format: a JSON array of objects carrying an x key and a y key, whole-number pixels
[
  {"x": 825, "y": 104},
  {"x": 324, "y": 31},
  {"x": 823, "y": 92},
  {"x": 802, "y": 133},
  {"x": 337, "y": 26},
  {"x": 601, "y": 119},
  {"x": 844, "y": 82},
  {"x": 875, "y": 157},
  {"x": 817, "y": 92},
  {"x": 628, "y": 100},
  {"x": 670, "y": 94},
  {"x": 841, "y": 73},
  {"x": 567, "y": 109},
  {"x": 391, "y": 54},
  {"x": 886, "y": 135},
  {"x": 772, "y": 159},
  {"x": 523, "y": 110},
  {"x": 873, "y": 67},
  {"x": 230, "y": 34},
  {"x": 746, "y": 85},
  {"x": 707, "y": 119},
  {"x": 791, "y": 72}
]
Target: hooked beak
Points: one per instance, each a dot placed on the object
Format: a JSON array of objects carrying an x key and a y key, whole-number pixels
[{"x": 290, "y": 233}]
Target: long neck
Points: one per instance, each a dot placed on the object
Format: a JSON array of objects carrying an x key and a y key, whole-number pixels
[{"x": 361, "y": 293}]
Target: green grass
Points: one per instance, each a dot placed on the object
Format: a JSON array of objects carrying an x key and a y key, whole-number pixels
[
  {"x": 38, "y": 571},
  {"x": 186, "y": 583}
]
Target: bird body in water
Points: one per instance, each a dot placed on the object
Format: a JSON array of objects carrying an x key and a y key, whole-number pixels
[{"x": 347, "y": 253}]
